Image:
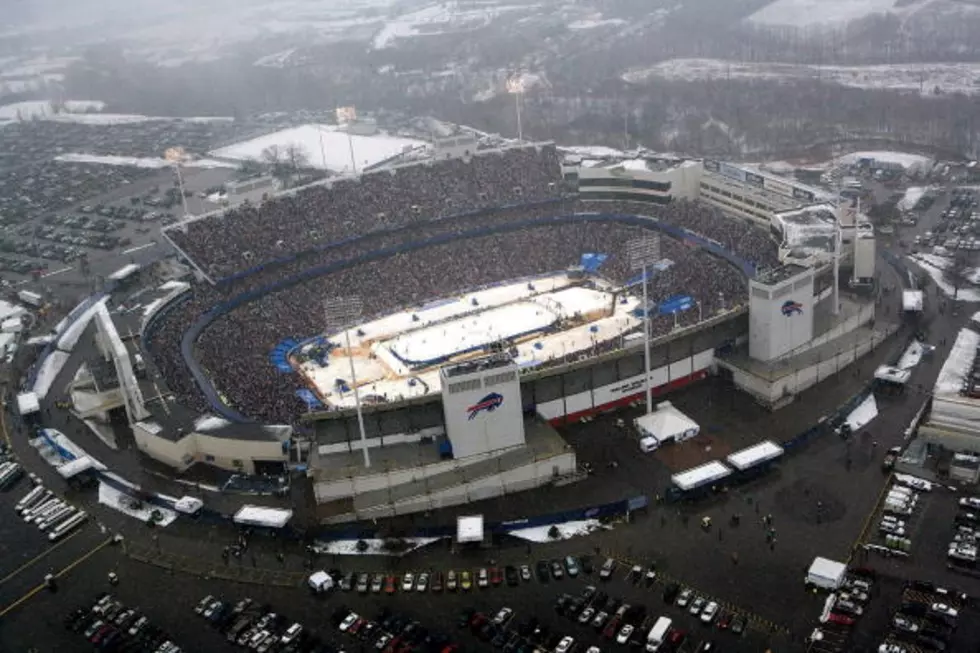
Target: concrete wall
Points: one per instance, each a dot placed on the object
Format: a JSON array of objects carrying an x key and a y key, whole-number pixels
[
  {"x": 522, "y": 478},
  {"x": 225, "y": 453}
]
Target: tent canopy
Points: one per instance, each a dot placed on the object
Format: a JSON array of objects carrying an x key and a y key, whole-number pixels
[
  {"x": 667, "y": 423},
  {"x": 27, "y": 403},
  {"x": 188, "y": 505},
  {"x": 263, "y": 516},
  {"x": 469, "y": 528}
]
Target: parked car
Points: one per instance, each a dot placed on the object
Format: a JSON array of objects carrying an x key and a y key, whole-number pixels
[
  {"x": 526, "y": 573},
  {"x": 482, "y": 578},
  {"x": 556, "y": 570},
  {"x": 624, "y": 634},
  {"x": 685, "y": 597},
  {"x": 709, "y": 613},
  {"x": 451, "y": 581},
  {"x": 571, "y": 566},
  {"x": 607, "y": 569},
  {"x": 465, "y": 580}
]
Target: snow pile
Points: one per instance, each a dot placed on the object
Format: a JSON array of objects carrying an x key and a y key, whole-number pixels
[
  {"x": 324, "y": 146},
  {"x": 912, "y": 196},
  {"x": 375, "y": 547},
  {"x": 139, "y": 162},
  {"x": 863, "y": 414},
  {"x": 911, "y": 357},
  {"x": 934, "y": 266},
  {"x": 70, "y": 337},
  {"x": 592, "y": 23},
  {"x": 566, "y": 530},
  {"x": 110, "y": 496}
]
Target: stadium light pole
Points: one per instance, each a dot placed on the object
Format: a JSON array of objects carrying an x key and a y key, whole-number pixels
[
  {"x": 340, "y": 313},
  {"x": 643, "y": 252},
  {"x": 516, "y": 87},
  {"x": 175, "y": 155}
]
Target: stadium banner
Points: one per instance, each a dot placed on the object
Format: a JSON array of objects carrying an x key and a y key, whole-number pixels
[
  {"x": 730, "y": 171},
  {"x": 675, "y": 304},
  {"x": 802, "y": 194},
  {"x": 754, "y": 179},
  {"x": 780, "y": 187},
  {"x": 591, "y": 262},
  {"x": 711, "y": 165}
]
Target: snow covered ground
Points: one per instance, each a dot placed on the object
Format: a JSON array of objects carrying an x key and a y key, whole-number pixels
[
  {"x": 914, "y": 77},
  {"x": 325, "y": 146},
  {"x": 906, "y": 160},
  {"x": 592, "y": 23},
  {"x": 375, "y": 547},
  {"x": 566, "y": 530},
  {"x": 139, "y": 162},
  {"x": 85, "y": 112},
  {"x": 113, "y": 498},
  {"x": 912, "y": 195},
  {"x": 43, "y": 109},
  {"x": 934, "y": 266},
  {"x": 911, "y": 356},
  {"x": 807, "y": 13},
  {"x": 863, "y": 414},
  {"x": 441, "y": 18}
]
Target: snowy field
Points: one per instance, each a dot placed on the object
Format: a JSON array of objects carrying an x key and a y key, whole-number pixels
[
  {"x": 441, "y": 18},
  {"x": 912, "y": 195},
  {"x": 807, "y": 13},
  {"x": 566, "y": 531},
  {"x": 934, "y": 266},
  {"x": 913, "y": 77},
  {"x": 375, "y": 547},
  {"x": 904, "y": 159},
  {"x": 84, "y": 112},
  {"x": 540, "y": 302},
  {"x": 325, "y": 147},
  {"x": 863, "y": 414}
]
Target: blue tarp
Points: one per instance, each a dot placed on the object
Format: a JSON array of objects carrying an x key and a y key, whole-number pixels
[
  {"x": 675, "y": 304},
  {"x": 591, "y": 262},
  {"x": 279, "y": 356},
  {"x": 311, "y": 399}
]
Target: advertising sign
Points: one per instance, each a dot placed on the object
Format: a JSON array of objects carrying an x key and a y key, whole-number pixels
[{"x": 731, "y": 171}]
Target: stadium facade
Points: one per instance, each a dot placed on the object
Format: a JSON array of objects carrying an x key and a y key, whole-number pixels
[{"x": 425, "y": 455}]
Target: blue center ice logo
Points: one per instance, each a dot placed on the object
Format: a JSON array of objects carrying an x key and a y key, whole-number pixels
[
  {"x": 489, "y": 404},
  {"x": 791, "y": 307}
]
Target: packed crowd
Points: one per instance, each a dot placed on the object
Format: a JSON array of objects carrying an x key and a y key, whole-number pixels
[
  {"x": 317, "y": 215},
  {"x": 242, "y": 372}
]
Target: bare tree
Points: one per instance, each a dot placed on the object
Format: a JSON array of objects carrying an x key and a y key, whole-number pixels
[
  {"x": 960, "y": 271},
  {"x": 296, "y": 157}
]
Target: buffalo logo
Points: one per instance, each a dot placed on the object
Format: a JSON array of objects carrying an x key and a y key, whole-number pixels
[
  {"x": 791, "y": 308},
  {"x": 490, "y": 403}
]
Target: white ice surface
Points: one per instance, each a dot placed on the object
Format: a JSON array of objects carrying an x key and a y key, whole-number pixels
[
  {"x": 863, "y": 414},
  {"x": 375, "y": 547},
  {"x": 113, "y": 498},
  {"x": 566, "y": 530},
  {"x": 336, "y": 150},
  {"x": 476, "y": 331}
]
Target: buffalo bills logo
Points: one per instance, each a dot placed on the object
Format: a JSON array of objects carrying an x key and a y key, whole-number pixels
[
  {"x": 791, "y": 308},
  {"x": 489, "y": 403}
]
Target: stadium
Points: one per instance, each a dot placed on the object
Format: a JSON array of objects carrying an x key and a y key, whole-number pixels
[{"x": 483, "y": 299}]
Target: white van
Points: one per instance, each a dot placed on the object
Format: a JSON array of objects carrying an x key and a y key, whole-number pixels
[{"x": 658, "y": 634}]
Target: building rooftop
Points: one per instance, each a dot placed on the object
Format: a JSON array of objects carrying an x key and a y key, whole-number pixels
[{"x": 772, "y": 276}]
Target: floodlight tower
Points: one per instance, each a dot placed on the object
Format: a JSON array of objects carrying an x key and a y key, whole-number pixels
[
  {"x": 515, "y": 86},
  {"x": 177, "y": 155},
  {"x": 643, "y": 252},
  {"x": 342, "y": 313}
]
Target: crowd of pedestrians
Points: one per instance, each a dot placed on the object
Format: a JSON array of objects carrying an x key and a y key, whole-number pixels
[{"x": 393, "y": 258}]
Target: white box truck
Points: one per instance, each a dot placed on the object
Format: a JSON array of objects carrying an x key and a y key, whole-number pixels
[
  {"x": 30, "y": 298},
  {"x": 320, "y": 582},
  {"x": 826, "y": 574},
  {"x": 657, "y": 634}
]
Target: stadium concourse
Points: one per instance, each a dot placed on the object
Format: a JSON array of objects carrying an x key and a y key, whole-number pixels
[{"x": 401, "y": 245}]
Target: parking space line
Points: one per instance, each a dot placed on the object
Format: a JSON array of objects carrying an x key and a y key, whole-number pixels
[
  {"x": 48, "y": 550},
  {"x": 61, "y": 573}
]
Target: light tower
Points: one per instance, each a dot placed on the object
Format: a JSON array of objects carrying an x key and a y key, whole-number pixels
[
  {"x": 176, "y": 156},
  {"x": 643, "y": 252},
  {"x": 515, "y": 86},
  {"x": 341, "y": 313}
]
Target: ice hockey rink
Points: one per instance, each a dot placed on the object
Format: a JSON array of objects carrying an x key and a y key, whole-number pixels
[{"x": 398, "y": 356}]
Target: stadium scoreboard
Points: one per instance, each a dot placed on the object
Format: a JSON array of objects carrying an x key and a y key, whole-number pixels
[{"x": 481, "y": 400}]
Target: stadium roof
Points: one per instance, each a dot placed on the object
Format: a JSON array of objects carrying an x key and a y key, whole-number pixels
[{"x": 809, "y": 227}]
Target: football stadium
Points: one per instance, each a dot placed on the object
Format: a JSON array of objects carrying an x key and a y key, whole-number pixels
[{"x": 412, "y": 334}]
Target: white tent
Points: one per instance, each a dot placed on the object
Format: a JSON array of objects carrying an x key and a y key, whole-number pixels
[
  {"x": 262, "y": 516},
  {"x": 188, "y": 505},
  {"x": 27, "y": 403},
  {"x": 469, "y": 528},
  {"x": 667, "y": 424}
]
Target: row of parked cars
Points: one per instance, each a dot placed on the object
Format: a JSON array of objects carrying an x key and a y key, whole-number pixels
[
  {"x": 466, "y": 579},
  {"x": 254, "y": 627},
  {"x": 924, "y": 621},
  {"x": 391, "y": 633},
  {"x": 966, "y": 539},
  {"x": 111, "y": 626}
]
